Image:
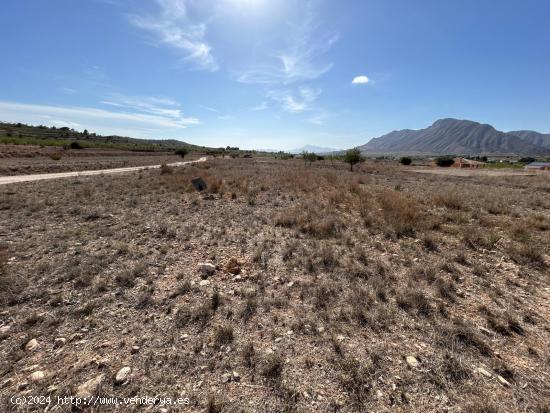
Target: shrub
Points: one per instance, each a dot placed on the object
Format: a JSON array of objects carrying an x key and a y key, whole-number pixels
[
  {"x": 165, "y": 169},
  {"x": 444, "y": 161},
  {"x": 405, "y": 160},
  {"x": 223, "y": 335},
  {"x": 272, "y": 367},
  {"x": 400, "y": 213},
  {"x": 75, "y": 145},
  {"x": 55, "y": 156}
]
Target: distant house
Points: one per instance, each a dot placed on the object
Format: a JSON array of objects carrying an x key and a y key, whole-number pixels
[
  {"x": 467, "y": 163},
  {"x": 543, "y": 166}
]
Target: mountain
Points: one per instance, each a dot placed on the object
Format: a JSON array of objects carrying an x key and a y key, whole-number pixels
[
  {"x": 532, "y": 137},
  {"x": 312, "y": 148},
  {"x": 461, "y": 137}
]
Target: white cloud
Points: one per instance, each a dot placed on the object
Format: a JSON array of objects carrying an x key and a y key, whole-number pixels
[
  {"x": 295, "y": 102},
  {"x": 130, "y": 122},
  {"x": 360, "y": 80},
  {"x": 226, "y": 117},
  {"x": 174, "y": 28}
]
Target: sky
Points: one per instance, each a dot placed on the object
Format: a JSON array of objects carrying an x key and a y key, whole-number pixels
[{"x": 274, "y": 74}]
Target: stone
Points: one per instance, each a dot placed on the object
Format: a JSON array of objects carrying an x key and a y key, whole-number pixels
[
  {"x": 321, "y": 329},
  {"x": 204, "y": 283},
  {"x": 503, "y": 381},
  {"x": 90, "y": 388},
  {"x": 22, "y": 386},
  {"x": 32, "y": 344},
  {"x": 134, "y": 350},
  {"x": 226, "y": 377},
  {"x": 122, "y": 375},
  {"x": 59, "y": 342},
  {"x": 412, "y": 361},
  {"x": 37, "y": 376},
  {"x": 236, "y": 376},
  {"x": 484, "y": 372},
  {"x": 198, "y": 183},
  {"x": 233, "y": 266},
  {"x": 206, "y": 269},
  {"x": 5, "y": 329},
  {"x": 6, "y": 383}
]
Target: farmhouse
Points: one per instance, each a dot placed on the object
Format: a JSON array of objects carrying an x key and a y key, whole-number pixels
[
  {"x": 543, "y": 166},
  {"x": 467, "y": 163}
]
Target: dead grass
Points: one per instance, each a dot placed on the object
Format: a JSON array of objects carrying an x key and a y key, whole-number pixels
[{"x": 326, "y": 281}]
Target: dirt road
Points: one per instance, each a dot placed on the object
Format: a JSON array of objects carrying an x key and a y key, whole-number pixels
[{"x": 4, "y": 180}]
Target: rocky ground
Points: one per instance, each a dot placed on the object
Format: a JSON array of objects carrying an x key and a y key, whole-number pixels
[
  {"x": 29, "y": 159},
  {"x": 280, "y": 288}
]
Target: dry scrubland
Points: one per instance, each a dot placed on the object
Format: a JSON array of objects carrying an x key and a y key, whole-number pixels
[
  {"x": 378, "y": 290},
  {"x": 27, "y": 159}
]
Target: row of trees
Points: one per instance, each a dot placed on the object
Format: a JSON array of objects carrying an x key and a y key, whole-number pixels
[{"x": 351, "y": 156}]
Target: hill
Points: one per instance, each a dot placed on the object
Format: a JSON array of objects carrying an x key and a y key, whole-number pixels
[
  {"x": 22, "y": 134},
  {"x": 453, "y": 136}
]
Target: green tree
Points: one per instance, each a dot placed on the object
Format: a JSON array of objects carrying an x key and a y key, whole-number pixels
[
  {"x": 181, "y": 152},
  {"x": 353, "y": 157},
  {"x": 444, "y": 161},
  {"x": 309, "y": 157}
]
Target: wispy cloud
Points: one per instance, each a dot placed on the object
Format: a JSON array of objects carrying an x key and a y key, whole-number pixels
[
  {"x": 124, "y": 121},
  {"x": 300, "y": 57},
  {"x": 319, "y": 118},
  {"x": 261, "y": 106},
  {"x": 158, "y": 106},
  {"x": 173, "y": 27},
  {"x": 360, "y": 80},
  {"x": 295, "y": 102}
]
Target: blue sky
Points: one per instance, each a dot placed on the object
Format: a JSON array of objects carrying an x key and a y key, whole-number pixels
[{"x": 274, "y": 73}]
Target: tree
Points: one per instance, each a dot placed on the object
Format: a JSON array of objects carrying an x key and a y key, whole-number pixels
[
  {"x": 444, "y": 161},
  {"x": 405, "y": 160},
  {"x": 309, "y": 157},
  {"x": 181, "y": 152},
  {"x": 353, "y": 157},
  {"x": 85, "y": 132}
]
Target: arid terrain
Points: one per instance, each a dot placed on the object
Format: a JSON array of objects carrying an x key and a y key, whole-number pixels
[
  {"x": 280, "y": 288},
  {"x": 28, "y": 159}
]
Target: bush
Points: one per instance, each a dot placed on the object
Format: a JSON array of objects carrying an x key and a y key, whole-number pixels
[
  {"x": 75, "y": 145},
  {"x": 444, "y": 161},
  {"x": 405, "y": 160}
]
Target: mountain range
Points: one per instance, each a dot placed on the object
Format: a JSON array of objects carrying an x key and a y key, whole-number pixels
[
  {"x": 460, "y": 137},
  {"x": 319, "y": 150}
]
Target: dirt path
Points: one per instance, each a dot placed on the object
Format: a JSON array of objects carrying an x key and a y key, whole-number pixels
[{"x": 4, "y": 180}]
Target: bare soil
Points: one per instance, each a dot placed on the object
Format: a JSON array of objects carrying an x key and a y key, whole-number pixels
[
  {"x": 28, "y": 159},
  {"x": 375, "y": 291}
]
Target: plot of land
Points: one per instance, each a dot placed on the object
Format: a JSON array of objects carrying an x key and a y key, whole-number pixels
[{"x": 280, "y": 288}]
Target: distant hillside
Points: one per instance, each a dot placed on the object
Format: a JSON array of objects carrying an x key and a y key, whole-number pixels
[
  {"x": 532, "y": 137},
  {"x": 21, "y": 134},
  {"x": 312, "y": 148},
  {"x": 453, "y": 136}
]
